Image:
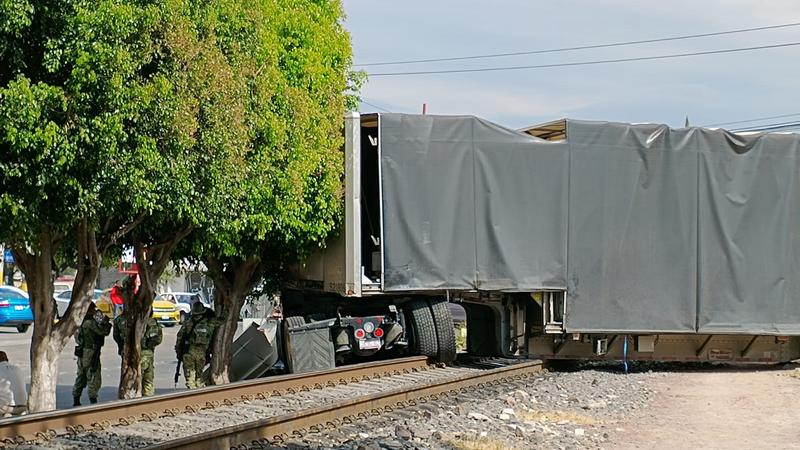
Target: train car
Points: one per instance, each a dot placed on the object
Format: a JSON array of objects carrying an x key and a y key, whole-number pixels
[{"x": 571, "y": 239}]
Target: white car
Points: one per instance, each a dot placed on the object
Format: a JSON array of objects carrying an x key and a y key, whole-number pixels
[
  {"x": 183, "y": 302},
  {"x": 62, "y": 299}
]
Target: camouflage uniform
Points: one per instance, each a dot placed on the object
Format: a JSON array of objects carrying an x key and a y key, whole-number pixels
[
  {"x": 150, "y": 339},
  {"x": 194, "y": 345},
  {"x": 90, "y": 338}
]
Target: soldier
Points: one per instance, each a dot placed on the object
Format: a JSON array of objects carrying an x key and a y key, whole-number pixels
[
  {"x": 89, "y": 340},
  {"x": 150, "y": 339},
  {"x": 194, "y": 344}
]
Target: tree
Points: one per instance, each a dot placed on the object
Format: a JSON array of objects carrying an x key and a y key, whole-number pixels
[
  {"x": 199, "y": 121},
  {"x": 294, "y": 57},
  {"x": 73, "y": 79}
]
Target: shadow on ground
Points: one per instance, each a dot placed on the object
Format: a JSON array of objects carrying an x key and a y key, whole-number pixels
[{"x": 656, "y": 366}]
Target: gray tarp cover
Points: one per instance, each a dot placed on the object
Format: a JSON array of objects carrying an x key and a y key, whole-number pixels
[
  {"x": 650, "y": 229},
  {"x": 471, "y": 205}
]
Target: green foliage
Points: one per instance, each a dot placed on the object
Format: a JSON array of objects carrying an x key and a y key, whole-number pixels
[
  {"x": 293, "y": 57},
  {"x": 197, "y": 120},
  {"x": 72, "y": 75},
  {"x": 224, "y": 116},
  {"x": 355, "y": 81}
]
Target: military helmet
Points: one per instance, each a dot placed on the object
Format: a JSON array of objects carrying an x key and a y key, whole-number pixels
[{"x": 198, "y": 308}]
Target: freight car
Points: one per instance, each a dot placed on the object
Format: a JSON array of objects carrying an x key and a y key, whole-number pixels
[{"x": 571, "y": 239}]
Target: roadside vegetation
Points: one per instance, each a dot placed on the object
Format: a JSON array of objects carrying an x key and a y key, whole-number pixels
[{"x": 181, "y": 129}]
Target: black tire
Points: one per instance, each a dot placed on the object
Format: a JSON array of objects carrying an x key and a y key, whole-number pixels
[
  {"x": 23, "y": 328},
  {"x": 183, "y": 318},
  {"x": 445, "y": 330},
  {"x": 423, "y": 331},
  {"x": 289, "y": 322}
]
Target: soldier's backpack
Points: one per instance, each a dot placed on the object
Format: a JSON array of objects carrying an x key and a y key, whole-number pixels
[{"x": 202, "y": 333}]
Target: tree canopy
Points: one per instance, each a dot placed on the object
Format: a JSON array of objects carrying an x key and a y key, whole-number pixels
[
  {"x": 294, "y": 58},
  {"x": 71, "y": 86},
  {"x": 139, "y": 122},
  {"x": 77, "y": 90}
]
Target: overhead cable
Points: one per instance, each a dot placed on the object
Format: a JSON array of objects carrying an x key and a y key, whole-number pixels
[
  {"x": 587, "y": 63},
  {"x": 785, "y": 126},
  {"x": 581, "y": 47},
  {"x": 757, "y": 119},
  {"x": 374, "y": 106}
]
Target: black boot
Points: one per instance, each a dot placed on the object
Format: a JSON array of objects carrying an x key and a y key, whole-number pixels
[
  {"x": 92, "y": 400},
  {"x": 76, "y": 401}
]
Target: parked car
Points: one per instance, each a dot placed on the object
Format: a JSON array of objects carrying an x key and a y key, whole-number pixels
[
  {"x": 165, "y": 312},
  {"x": 67, "y": 295},
  {"x": 61, "y": 286},
  {"x": 15, "y": 309},
  {"x": 62, "y": 301},
  {"x": 15, "y": 289},
  {"x": 63, "y": 298},
  {"x": 183, "y": 301},
  {"x": 105, "y": 305}
]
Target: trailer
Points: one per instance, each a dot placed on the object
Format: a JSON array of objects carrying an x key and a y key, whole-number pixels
[{"x": 571, "y": 239}]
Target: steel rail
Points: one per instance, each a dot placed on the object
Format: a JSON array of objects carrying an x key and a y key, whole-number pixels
[
  {"x": 47, "y": 425},
  {"x": 267, "y": 432}
]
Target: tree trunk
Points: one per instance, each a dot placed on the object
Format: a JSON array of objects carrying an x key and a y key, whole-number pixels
[
  {"x": 44, "y": 348},
  {"x": 222, "y": 345},
  {"x": 44, "y": 375},
  {"x": 152, "y": 263},
  {"x": 136, "y": 312},
  {"x": 49, "y": 339},
  {"x": 233, "y": 281}
]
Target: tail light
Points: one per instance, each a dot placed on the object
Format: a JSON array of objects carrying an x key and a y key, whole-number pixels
[
  {"x": 360, "y": 333},
  {"x": 4, "y": 303},
  {"x": 378, "y": 332}
]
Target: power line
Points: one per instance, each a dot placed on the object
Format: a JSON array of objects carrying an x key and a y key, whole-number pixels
[
  {"x": 581, "y": 47},
  {"x": 586, "y": 63},
  {"x": 769, "y": 127},
  {"x": 374, "y": 106},
  {"x": 758, "y": 119}
]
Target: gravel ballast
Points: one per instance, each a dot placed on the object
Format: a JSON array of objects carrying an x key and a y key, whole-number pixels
[
  {"x": 555, "y": 410},
  {"x": 141, "y": 434},
  {"x": 559, "y": 410}
]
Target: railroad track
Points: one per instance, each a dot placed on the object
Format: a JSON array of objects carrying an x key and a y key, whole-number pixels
[
  {"x": 45, "y": 426},
  {"x": 409, "y": 380}
]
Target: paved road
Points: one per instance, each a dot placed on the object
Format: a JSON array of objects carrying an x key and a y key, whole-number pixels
[{"x": 17, "y": 346}]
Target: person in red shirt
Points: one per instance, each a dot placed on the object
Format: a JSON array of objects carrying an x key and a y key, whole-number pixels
[{"x": 116, "y": 298}]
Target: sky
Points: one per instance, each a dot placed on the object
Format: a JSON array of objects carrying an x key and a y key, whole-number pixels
[{"x": 707, "y": 89}]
